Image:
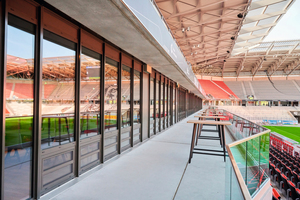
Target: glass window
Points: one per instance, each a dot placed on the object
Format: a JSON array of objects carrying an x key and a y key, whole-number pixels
[
  {"x": 157, "y": 101},
  {"x": 125, "y": 105},
  {"x": 19, "y": 109},
  {"x": 58, "y": 90},
  {"x": 151, "y": 99},
  {"x": 162, "y": 100},
  {"x": 111, "y": 95},
  {"x": 90, "y": 93},
  {"x": 136, "y": 100},
  {"x": 174, "y": 105}
]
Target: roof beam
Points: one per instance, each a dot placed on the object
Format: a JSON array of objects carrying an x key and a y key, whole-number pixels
[
  {"x": 193, "y": 10},
  {"x": 295, "y": 65},
  {"x": 276, "y": 65},
  {"x": 240, "y": 68},
  {"x": 258, "y": 65}
]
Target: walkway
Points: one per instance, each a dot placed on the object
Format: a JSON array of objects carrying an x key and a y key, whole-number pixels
[{"x": 153, "y": 170}]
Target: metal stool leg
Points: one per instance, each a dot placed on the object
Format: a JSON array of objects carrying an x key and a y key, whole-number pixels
[{"x": 192, "y": 142}]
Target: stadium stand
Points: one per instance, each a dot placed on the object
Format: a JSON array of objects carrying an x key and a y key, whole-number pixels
[
  {"x": 264, "y": 90},
  {"x": 236, "y": 88},
  {"x": 211, "y": 88},
  {"x": 264, "y": 114},
  {"x": 9, "y": 87},
  {"x": 23, "y": 91},
  {"x": 284, "y": 169},
  {"x": 48, "y": 89},
  {"x": 222, "y": 85}
]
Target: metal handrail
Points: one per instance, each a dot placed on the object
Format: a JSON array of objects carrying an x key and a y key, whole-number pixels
[{"x": 237, "y": 172}]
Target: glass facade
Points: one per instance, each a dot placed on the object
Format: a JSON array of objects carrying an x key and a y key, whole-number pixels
[
  {"x": 136, "y": 107},
  {"x": 90, "y": 93},
  {"x": 69, "y": 105},
  {"x": 59, "y": 91},
  {"x": 19, "y": 109},
  {"x": 125, "y": 107},
  {"x": 157, "y": 107}
]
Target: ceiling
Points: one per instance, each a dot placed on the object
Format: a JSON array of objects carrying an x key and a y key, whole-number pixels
[{"x": 216, "y": 35}]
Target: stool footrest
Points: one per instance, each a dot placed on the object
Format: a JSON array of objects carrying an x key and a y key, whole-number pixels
[
  {"x": 208, "y": 130},
  {"x": 209, "y": 150},
  {"x": 211, "y": 154}
]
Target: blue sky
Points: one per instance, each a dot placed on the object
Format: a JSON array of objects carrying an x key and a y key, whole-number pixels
[{"x": 288, "y": 27}]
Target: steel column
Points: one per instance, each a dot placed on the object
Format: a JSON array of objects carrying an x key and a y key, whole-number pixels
[
  {"x": 131, "y": 101},
  {"x": 3, "y": 35},
  {"x": 119, "y": 112},
  {"x": 37, "y": 108},
  {"x": 77, "y": 104},
  {"x": 102, "y": 84}
]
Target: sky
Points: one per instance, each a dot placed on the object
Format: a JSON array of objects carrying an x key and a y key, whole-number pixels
[{"x": 288, "y": 27}]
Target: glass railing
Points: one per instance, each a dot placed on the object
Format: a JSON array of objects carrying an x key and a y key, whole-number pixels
[{"x": 247, "y": 168}]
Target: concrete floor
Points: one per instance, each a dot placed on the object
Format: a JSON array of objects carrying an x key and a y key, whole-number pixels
[{"x": 156, "y": 169}]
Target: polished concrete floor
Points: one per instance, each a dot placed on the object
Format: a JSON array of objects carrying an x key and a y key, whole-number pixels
[{"x": 156, "y": 169}]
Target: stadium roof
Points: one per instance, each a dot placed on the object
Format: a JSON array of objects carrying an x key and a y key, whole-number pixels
[{"x": 212, "y": 33}]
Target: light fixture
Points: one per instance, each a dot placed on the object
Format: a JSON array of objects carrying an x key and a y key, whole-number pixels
[
  {"x": 194, "y": 46},
  {"x": 182, "y": 30},
  {"x": 240, "y": 15},
  {"x": 198, "y": 45},
  {"x": 188, "y": 29}
]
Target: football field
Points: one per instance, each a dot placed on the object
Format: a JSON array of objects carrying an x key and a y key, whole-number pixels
[{"x": 287, "y": 131}]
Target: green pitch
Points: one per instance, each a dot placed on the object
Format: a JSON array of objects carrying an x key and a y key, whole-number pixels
[{"x": 287, "y": 131}]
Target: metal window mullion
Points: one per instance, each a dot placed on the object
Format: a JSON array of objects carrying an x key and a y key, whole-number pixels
[
  {"x": 141, "y": 104},
  {"x": 102, "y": 85},
  {"x": 37, "y": 107},
  {"x": 131, "y": 101},
  {"x": 164, "y": 108},
  {"x": 77, "y": 104},
  {"x": 3, "y": 41},
  {"x": 154, "y": 104},
  {"x": 149, "y": 103},
  {"x": 119, "y": 111},
  {"x": 159, "y": 105}
]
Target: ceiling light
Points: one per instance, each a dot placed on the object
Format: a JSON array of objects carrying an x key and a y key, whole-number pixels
[
  {"x": 188, "y": 29},
  {"x": 198, "y": 45},
  {"x": 183, "y": 30},
  {"x": 240, "y": 15}
]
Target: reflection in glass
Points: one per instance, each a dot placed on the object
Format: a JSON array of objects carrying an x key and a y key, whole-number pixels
[
  {"x": 90, "y": 93},
  {"x": 162, "y": 106},
  {"x": 157, "y": 114},
  {"x": 173, "y": 105},
  {"x": 125, "y": 92},
  {"x": 151, "y": 99},
  {"x": 157, "y": 101},
  {"x": 110, "y": 95},
  {"x": 136, "y": 100},
  {"x": 18, "y": 112},
  {"x": 58, "y": 90}
]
